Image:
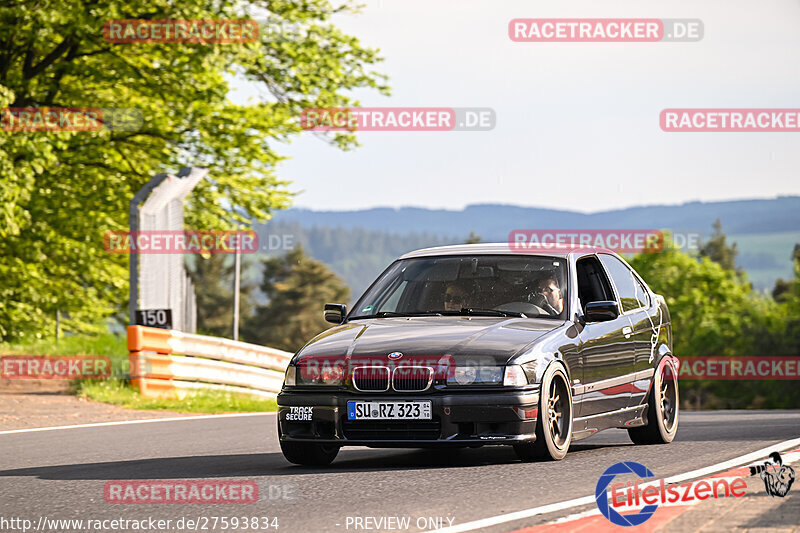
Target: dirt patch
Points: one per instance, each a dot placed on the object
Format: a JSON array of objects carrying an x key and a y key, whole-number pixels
[
  {"x": 37, "y": 403},
  {"x": 34, "y": 386}
]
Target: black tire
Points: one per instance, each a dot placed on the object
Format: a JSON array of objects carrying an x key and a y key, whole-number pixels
[
  {"x": 662, "y": 408},
  {"x": 554, "y": 424},
  {"x": 309, "y": 453}
]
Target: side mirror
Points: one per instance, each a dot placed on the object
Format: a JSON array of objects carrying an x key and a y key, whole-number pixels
[
  {"x": 601, "y": 311},
  {"x": 335, "y": 313}
]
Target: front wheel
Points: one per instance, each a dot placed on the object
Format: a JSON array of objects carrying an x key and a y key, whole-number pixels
[
  {"x": 309, "y": 453},
  {"x": 554, "y": 424},
  {"x": 662, "y": 408}
]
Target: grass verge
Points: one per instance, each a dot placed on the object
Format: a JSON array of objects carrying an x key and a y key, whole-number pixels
[{"x": 117, "y": 392}]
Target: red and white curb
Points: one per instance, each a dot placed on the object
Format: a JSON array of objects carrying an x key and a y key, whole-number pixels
[
  {"x": 594, "y": 521},
  {"x": 735, "y": 468}
]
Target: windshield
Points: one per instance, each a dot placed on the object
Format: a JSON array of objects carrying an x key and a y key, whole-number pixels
[{"x": 489, "y": 285}]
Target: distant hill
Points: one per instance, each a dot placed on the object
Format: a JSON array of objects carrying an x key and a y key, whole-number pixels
[
  {"x": 358, "y": 245},
  {"x": 357, "y": 255},
  {"x": 494, "y": 222}
]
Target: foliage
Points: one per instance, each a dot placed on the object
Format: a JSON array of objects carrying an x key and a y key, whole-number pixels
[
  {"x": 213, "y": 285},
  {"x": 714, "y": 311},
  {"x": 785, "y": 290},
  {"x": 707, "y": 303},
  {"x": 718, "y": 250},
  {"x": 297, "y": 288},
  {"x": 473, "y": 238},
  {"x": 105, "y": 344},
  {"x": 61, "y": 191},
  {"x": 788, "y": 340}
]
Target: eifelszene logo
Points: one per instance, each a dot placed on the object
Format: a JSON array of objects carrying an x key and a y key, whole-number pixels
[
  {"x": 629, "y": 497},
  {"x": 601, "y": 496}
]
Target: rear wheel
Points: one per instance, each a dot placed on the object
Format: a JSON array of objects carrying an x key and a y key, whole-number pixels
[
  {"x": 554, "y": 424},
  {"x": 662, "y": 408}
]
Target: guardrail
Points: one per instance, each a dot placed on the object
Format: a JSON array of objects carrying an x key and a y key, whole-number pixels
[{"x": 166, "y": 363}]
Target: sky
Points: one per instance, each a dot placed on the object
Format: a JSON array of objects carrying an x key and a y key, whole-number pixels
[{"x": 577, "y": 124}]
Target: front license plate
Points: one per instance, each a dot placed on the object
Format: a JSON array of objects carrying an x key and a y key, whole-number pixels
[{"x": 408, "y": 410}]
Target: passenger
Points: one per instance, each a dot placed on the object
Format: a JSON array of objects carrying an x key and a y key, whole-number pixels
[{"x": 455, "y": 297}]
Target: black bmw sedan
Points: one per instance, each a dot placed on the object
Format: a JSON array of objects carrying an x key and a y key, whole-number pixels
[{"x": 474, "y": 345}]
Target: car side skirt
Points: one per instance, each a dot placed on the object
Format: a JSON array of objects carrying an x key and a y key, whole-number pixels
[{"x": 623, "y": 418}]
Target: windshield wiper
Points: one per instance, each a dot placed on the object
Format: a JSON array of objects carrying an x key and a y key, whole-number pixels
[
  {"x": 466, "y": 311},
  {"x": 386, "y": 314},
  {"x": 475, "y": 311}
]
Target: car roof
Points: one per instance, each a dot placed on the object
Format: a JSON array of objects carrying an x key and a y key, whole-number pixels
[{"x": 504, "y": 248}]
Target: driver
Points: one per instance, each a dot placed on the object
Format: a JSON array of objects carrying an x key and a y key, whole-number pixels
[
  {"x": 455, "y": 297},
  {"x": 549, "y": 290}
]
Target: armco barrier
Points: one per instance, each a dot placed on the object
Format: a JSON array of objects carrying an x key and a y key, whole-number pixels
[{"x": 168, "y": 364}]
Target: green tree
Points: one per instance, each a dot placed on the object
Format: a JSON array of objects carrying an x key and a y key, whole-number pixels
[
  {"x": 714, "y": 311},
  {"x": 473, "y": 238},
  {"x": 213, "y": 284},
  {"x": 785, "y": 289},
  {"x": 718, "y": 250},
  {"x": 788, "y": 340},
  {"x": 782, "y": 289},
  {"x": 297, "y": 288},
  {"x": 706, "y": 301},
  {"x": 61, "y": 191}
]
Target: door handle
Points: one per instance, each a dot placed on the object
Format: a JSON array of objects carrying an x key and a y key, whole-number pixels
[{"x": 627, "y": 330}]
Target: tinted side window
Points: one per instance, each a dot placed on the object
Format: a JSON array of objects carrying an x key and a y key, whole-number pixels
[
  {"x": 631, "y": 292},
  {"x": 593, "y": 285}
]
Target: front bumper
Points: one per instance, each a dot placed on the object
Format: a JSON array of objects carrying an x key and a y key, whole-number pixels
[{"x": 457, "y": 419}]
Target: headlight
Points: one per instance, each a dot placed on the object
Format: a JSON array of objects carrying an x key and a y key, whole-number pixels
[
  {"x": 316, "y": 372},
  {"x": 465, "y": 375},
  {"x": 476, "y": 375},
  {"x": 515, "y": 376}
]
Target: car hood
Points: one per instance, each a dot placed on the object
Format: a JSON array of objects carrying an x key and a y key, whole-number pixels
[{"x": 459, "y": 337}]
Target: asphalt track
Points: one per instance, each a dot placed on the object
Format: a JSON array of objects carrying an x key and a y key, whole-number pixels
[{"x": 60, "y": 474}]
